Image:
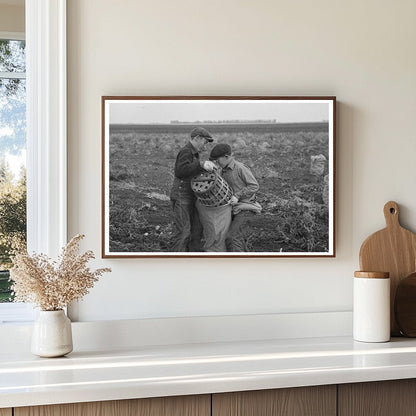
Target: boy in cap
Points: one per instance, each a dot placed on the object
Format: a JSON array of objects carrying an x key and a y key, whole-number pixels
[
  {"x": 243, "y": 201},
  {"x": 187, "y": 227}
]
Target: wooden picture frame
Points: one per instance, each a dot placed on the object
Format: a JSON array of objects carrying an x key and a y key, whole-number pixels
[{"x": 286, "y": 143}]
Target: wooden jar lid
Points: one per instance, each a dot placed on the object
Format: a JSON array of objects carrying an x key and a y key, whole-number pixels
[{"x": 372, "y": 275}]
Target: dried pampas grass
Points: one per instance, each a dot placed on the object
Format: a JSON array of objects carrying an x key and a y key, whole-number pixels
[{"x": 53, "y": 285}]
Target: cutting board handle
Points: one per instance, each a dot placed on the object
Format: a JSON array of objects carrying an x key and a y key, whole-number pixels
[{"x": 391, "y": 214}]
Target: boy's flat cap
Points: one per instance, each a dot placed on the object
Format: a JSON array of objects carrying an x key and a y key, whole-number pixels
[{"x": 220, "y": 149}]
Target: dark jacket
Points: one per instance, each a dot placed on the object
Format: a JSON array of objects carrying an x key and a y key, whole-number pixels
[{"x": 187, "y": 166}]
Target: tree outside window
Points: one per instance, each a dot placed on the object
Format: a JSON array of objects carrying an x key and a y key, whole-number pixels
[{"x": 12, "y": 155}]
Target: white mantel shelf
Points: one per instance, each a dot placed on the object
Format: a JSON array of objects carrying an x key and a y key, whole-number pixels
[{"x": 151, "y": 371}]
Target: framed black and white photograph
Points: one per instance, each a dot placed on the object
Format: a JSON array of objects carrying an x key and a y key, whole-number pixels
[{"x": 218, "y": 176}]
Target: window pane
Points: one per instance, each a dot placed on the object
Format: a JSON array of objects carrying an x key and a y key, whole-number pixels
[
  {"x": 12, "y": 174},
  {"x": 5, "y": 292},
  {"x": 12, "y": 117},
  {"x": 12, "y": 56}
]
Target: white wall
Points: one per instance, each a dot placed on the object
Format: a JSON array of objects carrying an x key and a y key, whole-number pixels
[{"x": 363, "y": 52}]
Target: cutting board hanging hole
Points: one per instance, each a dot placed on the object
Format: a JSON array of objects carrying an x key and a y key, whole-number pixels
[{"x": 391, "y": 214}]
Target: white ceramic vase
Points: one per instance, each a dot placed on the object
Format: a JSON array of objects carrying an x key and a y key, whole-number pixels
[{"x": 52, "y": 334}]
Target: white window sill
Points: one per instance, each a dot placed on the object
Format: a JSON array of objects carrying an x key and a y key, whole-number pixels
[{"x": 16, "y": 313}]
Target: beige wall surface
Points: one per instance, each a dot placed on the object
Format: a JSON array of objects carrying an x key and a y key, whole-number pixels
[
  {"x": 363, "y": 52},
  {"x": 12, "y": 18}
]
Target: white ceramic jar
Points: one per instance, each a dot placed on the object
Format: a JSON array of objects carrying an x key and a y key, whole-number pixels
[
  {"x": 52, "y": 334},
  {"x": 371, "y": 309}
]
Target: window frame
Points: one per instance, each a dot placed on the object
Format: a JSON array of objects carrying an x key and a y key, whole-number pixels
[
  {"x": 46, "y": 125},
  {"x": 46, "y": 138}
]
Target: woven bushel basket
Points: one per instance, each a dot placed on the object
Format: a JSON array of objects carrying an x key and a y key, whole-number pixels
[{"x": 211, "y": 189}]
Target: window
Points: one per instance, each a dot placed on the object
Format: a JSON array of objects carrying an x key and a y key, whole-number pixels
[
  {"x": 12, "y": 153},
  {"x": 12, "y": 165}
]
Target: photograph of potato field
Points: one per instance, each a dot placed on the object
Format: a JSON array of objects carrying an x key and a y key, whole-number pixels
[{"x": 291, "y": 156}]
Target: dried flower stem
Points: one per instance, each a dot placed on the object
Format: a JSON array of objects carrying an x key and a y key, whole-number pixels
[{"x": 53, "y": 285}]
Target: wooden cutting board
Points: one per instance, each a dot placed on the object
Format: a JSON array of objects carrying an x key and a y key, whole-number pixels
[
  {"x": 393, "y": 250},
  {"x": 405, "y": 305}
]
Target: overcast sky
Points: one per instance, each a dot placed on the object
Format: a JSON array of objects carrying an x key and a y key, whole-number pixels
[{"x": 136, "y": 112}]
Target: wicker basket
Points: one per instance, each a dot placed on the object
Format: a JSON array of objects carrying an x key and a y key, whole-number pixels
[{"x": 211, "y": 189}]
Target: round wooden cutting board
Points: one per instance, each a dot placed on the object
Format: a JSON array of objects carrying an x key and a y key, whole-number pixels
[
  {"x": 405, "y": 306},
  {"x": 393, "y": 250}
]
